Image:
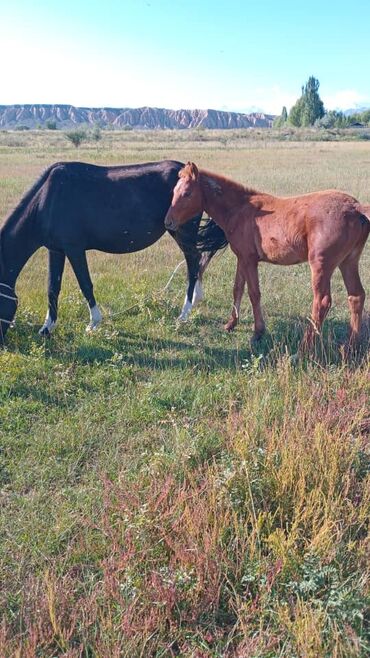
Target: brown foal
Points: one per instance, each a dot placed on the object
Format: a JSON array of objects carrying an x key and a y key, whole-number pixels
[{"x": 328, "y": 229}]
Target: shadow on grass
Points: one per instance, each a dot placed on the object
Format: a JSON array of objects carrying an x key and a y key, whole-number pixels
[{"x": 187, "y": 348}]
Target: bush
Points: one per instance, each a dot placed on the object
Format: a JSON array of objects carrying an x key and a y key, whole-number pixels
[
  {"x": 76, "y": 137},
  {"x": 95, "y": 133},
  {"x": 51, "y": 124}
]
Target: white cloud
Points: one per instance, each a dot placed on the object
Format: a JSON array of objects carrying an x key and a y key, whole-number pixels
[
  {"x": 344, "y": 100},
  {"x": 261, "y": 99}
]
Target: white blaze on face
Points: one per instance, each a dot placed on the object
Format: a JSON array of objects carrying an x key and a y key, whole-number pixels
[{"x": 95, "y": 318}]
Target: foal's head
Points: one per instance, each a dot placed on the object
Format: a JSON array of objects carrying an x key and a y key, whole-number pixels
[{"x": 187, "y": 199}]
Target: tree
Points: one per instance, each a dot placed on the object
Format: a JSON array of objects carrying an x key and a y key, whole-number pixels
[
  {"x": 332, "y": 119},
  {"x": 296, "y": 113},
  {"x": 281, "y": 120},
  {"x": 313, "y": 105},
  {"x": 309, "y": 107}
]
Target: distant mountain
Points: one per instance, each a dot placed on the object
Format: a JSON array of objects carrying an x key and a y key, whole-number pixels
[
  {"x": 356, "y": 110},
  {"x": 68, "y": 116}
]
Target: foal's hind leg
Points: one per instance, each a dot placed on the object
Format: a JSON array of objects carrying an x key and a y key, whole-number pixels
[
  {"x": 250, "y": 270},
  {"x": 320, "y": 275},
  {"x": 56, "y": 267},
  {"x": 239, "y": 285},
  {"x": 81, "y": 270},
  {"x": 356, "y": 294}
]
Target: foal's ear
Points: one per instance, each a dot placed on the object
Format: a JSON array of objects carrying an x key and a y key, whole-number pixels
[{"x": 193, "y": 170}]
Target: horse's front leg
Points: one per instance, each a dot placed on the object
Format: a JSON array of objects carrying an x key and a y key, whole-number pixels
[
  {"x": 81, "y": 270},
  {"x": 238, "y": 291},
  {"x": 250, "y": 269},
  {"x": 56, "y": 268}
]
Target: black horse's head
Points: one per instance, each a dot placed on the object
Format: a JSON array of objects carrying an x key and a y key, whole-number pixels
[{"x": 8, "y": 307}]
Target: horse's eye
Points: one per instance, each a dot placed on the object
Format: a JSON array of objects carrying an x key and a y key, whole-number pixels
[{"x": 187, "y": 193}]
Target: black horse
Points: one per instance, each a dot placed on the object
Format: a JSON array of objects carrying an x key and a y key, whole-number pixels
[{"x": 75, "y": 206}]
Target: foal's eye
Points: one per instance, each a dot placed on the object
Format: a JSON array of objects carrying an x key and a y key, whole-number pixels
[{"x": 187, "y": 194}]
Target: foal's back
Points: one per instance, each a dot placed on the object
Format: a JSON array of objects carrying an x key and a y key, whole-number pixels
[{"x": 290, "y": 229}]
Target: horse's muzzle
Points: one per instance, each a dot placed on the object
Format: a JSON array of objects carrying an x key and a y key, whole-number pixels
[{"x": 169, "y": 223}]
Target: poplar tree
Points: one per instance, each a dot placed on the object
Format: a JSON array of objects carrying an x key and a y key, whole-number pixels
[{"x": 309, "y": 107}]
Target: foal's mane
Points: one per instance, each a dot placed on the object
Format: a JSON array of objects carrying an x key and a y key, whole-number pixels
[
  {"x": 217, "y": 182},
  {"x": 222, "y": 182}
]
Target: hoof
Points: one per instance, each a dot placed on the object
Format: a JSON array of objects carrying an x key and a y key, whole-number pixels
[
  {"x": 230, "y": 326},
  {"x": 44, "y": 332},
  {"x": 92, "y": 326},
  {"x": 46, "y": 329},
  {"x": 257, "y": 336},
  {"x": 95, "y": 319},
  {"x": 185, "y": 311}
]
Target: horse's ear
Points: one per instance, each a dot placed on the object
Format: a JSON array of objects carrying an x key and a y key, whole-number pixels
[{"x": 193, "y": 170}]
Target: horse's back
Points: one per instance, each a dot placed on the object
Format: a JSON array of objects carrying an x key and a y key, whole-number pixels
[{"x": 118, "y": 209}]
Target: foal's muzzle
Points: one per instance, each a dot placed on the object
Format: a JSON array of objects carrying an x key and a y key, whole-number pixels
[{"x": 170, "y": 223}]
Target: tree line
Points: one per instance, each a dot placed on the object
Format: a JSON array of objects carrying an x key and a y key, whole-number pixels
[{"x": 309, "y": 110}]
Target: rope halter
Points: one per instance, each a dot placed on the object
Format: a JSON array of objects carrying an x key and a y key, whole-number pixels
[{"x": 8, "y": 293}]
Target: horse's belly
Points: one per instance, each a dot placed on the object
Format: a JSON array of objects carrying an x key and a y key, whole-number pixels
[{"x": 124, "y": 243}]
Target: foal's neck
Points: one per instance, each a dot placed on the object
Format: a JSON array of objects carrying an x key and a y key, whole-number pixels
[{"x": 221, "y": 196}]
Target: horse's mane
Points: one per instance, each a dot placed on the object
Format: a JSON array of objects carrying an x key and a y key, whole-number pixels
[
  {"x": 25, "y": 200},
  {"x": 1, "y": 254}
]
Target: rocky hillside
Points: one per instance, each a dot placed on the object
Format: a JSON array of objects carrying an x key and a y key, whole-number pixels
[{"x": 68, "y": 116}]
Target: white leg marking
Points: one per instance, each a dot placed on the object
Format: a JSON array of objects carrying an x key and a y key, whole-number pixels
[
  {"x": 48, "y": 325},
  {"x": 198, "y": 294},
  {"x": 95, "y": 318},
  {"x": 185, "y": 311}
]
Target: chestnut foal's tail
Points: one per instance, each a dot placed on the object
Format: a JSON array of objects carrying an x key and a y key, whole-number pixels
[{"x": 364, "y": 212}]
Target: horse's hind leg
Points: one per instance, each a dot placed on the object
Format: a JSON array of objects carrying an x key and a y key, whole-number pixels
[
  {"x": 320, "y": 276},
  {"x": 356, "y": 294},
  {"x": 192, "y": 261},
  {"x": 204, "y": 262},
  {"x": 56, "y": 267},
  {"x": 81, "y": 270}
]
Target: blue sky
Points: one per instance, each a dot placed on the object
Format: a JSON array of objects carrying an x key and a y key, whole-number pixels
[{"x": 224, "y": 54}]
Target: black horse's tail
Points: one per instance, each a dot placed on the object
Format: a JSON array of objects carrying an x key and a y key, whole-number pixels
[{"x": 210, "y": 236}]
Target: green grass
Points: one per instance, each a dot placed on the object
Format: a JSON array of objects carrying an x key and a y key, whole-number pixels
[{"x": 166, "y": 489}]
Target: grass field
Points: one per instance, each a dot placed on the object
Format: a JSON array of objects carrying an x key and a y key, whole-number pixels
[{"x": 166, "y": 489}]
